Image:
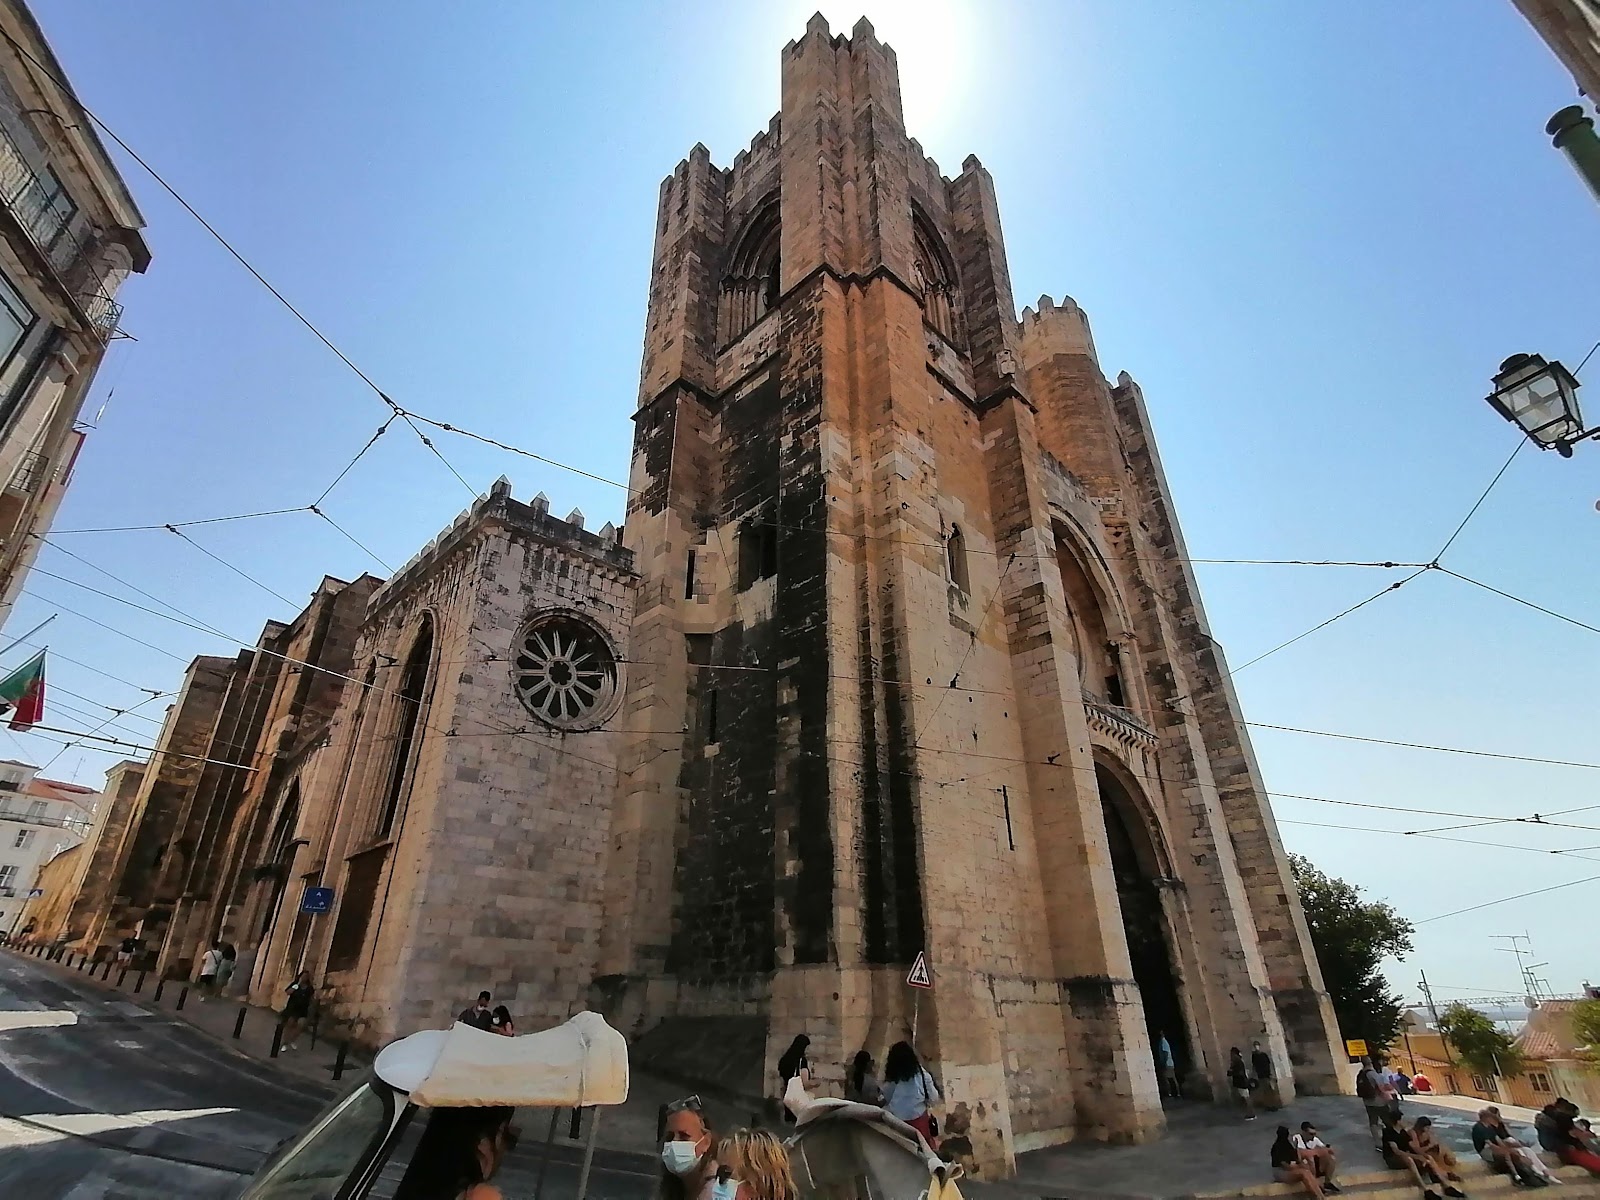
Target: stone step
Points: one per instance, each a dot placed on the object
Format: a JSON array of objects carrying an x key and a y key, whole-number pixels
[{"x": 1477, "y": 1180}]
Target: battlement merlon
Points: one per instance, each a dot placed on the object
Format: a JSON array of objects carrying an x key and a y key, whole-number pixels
[
  {"x": 532, "y": 519},
  {"x": 1056, "y": 329}
]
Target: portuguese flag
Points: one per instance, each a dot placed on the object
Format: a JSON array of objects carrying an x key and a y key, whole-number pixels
[{"x": 22, "y": 693}]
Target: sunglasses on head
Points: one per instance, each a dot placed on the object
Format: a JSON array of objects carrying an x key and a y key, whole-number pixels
[{"x": 687, "y": 1104}]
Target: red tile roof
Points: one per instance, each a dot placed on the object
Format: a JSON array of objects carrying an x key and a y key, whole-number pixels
[{"x": 1548, "y": 1033}]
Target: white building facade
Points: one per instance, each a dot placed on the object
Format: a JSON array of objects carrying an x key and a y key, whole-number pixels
[{"x": 39, "y": 818}]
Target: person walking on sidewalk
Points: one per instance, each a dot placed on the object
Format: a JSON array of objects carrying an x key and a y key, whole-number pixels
[
  {"x": 1266, "y": 1078},
  {"x": 1241, "y": 1083},
  {"x": 297, "y": 1008},
  {"x": 230, "y": 957},
  {"x": 210, "y": 963}
]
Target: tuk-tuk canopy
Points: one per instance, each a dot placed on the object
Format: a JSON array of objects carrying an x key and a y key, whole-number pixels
[{"x": 582, "y": 1062}]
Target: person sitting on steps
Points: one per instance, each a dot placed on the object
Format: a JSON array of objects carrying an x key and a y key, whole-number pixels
[
  {"x": 1289, "y": 1167},
  {"x": 1400, "y": 1154}
]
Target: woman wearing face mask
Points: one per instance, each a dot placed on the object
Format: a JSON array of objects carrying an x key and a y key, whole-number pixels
[
  {"x": 752, "y": 1164},
  {"x": 689, "y": 1166},
  {"x": 458, "y": 1154}
]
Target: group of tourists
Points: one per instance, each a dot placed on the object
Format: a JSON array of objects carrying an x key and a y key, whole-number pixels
[{"x": 907, "y": 1090}]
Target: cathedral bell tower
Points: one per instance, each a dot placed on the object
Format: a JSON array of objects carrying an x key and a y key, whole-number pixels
[{"x": 918, "y": 666}]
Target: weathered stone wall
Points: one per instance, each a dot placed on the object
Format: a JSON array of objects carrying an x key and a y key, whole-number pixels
[
  {"x": 94, "y": 890},
  {"x": 489, "y": 876},
  {"x": 163, "y": 792},
  {"x": 937, "y": 736}
]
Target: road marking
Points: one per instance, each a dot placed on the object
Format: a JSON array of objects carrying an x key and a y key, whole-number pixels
[{"x": 36, "y": 1020}]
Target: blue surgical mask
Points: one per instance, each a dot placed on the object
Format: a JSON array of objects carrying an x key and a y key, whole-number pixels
[
  {"x": 679, "y": 1157},
  {"x": 725, "y": 1189}
]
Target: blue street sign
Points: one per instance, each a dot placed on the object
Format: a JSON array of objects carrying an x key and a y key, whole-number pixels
[{"x": 317, "y": 900}]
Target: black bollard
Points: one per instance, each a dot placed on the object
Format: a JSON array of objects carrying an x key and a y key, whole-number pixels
[
  {"x": 122, "y": 976},
  {"x": 577, "y": 1124},
  {"x": 182, "y": 997},
  {"x": 316, "y": 1018},
  {"x": 138, "y": 984},
  {"x": 238, "y": 1022},
  {"x": 106, "y": 973},
  {"x": 161, "y": 985},
  {"x": 81, "y": 961},
  {"x": 338, "y": 1061},
  {"x": 277, "y": 1039}
]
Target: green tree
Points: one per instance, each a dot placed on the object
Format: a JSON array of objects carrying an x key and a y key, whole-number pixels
[
  {"x": 1586, "y": 1028},
  {"x": 1477, "y": 1043},
  {"x": 1352, "y": 936}
]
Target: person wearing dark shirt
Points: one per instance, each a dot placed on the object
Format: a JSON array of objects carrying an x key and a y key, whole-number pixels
[
  {"x": 1401, "y": 1154},
  {"x": 1502, "y": 1151},
  {"x": 479, "y": 1016},
  {"x": 1555, "y": 1124},
  {"x": 1266, "y": 1079},
  {"x": 1241, "y": 1083},
  {"x": 1289, "y": 1167}
]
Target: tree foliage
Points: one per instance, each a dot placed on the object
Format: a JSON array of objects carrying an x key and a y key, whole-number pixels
[
  {"x": 1352, "y": 936},
  {"x": 1586, "y": 1028},
  {"x": 1477, "y": 1043}
]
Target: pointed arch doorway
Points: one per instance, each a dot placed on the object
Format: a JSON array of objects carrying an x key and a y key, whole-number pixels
[{"x": 1141, "y": 870}]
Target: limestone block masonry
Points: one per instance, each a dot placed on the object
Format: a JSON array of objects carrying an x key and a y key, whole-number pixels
[{"x": 928, "y": 670}]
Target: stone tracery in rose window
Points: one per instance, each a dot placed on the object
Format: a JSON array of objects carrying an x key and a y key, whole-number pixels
[{"x": 564, "y": 671}]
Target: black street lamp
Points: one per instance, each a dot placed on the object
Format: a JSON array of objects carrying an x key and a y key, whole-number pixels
[{"x": 1541, "y": 398}]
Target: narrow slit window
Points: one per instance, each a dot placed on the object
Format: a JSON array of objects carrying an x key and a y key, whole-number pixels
[
  {"x": 711, "y": 716},
  {"x": 758, "y": 552},
  {"x": 688, "y": 576},
  {"x": 956, "y": 552}
]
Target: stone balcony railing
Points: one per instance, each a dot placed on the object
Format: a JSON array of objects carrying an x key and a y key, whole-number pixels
[{"x": 1118, "y": 723}]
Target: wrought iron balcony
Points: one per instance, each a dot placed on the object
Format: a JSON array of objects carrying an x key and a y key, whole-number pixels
[
  {"x": 1120, "y": 723},
  {"x": 30, "y": 473},
  {"x": 46, "y": 214}
]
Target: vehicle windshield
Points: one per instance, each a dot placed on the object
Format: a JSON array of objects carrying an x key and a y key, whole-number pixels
[{"x": 315, "y": 1165}]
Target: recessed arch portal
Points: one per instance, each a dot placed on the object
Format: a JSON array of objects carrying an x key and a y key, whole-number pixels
[
  {"x": 1141, "y": 866},
  {"x": 753, "y": 282}
]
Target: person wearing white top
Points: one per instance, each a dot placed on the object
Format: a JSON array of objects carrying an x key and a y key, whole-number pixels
[
  {"x": 1317, "y": 1155},
  {"x": 210, "y": 964}
]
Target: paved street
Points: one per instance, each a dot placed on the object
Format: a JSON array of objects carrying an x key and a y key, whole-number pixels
[{"x": 102, "y": 1097}]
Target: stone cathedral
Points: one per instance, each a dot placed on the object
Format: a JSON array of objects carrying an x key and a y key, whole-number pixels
[{"x": 898, "y": 653}]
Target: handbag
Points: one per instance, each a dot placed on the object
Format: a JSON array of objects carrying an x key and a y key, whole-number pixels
[{"x": 933, "y": 1121}]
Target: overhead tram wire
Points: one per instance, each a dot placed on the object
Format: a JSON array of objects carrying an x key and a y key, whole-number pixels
[
  {"x": 1573, "y": 853},
  {"x": 242, "y": 574},
  {"x": 350, "y": 466},
  {"x": 72, "y": 612},
  {"x": 1473, "y": 511},
  {"x": 1549, "y": 612},
  {"x": 1555, "y": 887},
  {"x": 1536, "y": 819},
  {"x": 350, "y": 537},
  {"x": 271, "y": 512},
  {"x": 1351, "y": 737}
]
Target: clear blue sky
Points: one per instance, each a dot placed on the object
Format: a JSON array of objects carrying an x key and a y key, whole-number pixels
[{"x": 1311, "y": 231}]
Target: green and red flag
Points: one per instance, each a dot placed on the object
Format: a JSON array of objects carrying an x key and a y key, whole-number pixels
[{"x": 22, "y": 693}]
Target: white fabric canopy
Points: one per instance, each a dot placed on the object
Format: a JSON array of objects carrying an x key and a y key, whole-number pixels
[{"x": 582, "y": 1062}]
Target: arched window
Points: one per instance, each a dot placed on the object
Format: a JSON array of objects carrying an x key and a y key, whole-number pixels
[
  {"x": 955, "y": 550},
  {"x": 751, "y": 288},
  {"x": 279, "y": 853},
  {"x": 936, "y": 277},
  {"x": 409, "y": 705}
]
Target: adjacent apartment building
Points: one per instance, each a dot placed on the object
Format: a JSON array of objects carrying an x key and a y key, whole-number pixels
[
  {"x": 39, "y": 819},
  {"x": 69, "y": 237},
  {"x": 1571, "y": 28}
]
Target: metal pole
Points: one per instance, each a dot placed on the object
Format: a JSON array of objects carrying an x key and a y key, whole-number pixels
[
  {"x": 544, "y": 1159},
  {"x": 161, "y": 986},
  {"x": 238, "y": 1022},
  {"x": 138, "y": 984},
  {"x": 338, "y": 1061},
  {"x": 53, "y": 616},
  {"x": 183, "y": 997},
  {"x": 1573, "y": 134},
  {"x": 277, "y": 1038},
  {"x": 1406, "y": 1034},
  {"x": 588, "y": 1156}
]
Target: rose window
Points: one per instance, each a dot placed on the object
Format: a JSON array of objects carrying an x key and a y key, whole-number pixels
[{"x": 564, "y": 671}]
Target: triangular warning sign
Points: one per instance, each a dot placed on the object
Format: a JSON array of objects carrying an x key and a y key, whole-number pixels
[{"x": 918, "y": 976}]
